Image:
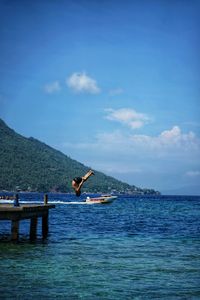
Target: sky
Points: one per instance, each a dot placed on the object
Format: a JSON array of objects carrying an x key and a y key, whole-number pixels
[{"x": 112, "y": 84}]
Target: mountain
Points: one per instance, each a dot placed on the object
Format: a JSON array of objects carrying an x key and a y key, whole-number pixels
[{"x": 30, "y": 165}]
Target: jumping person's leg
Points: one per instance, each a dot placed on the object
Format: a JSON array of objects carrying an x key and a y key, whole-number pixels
[{"x": 87, "y": 175}]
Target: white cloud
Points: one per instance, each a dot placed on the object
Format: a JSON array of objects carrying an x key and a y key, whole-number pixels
[
  {"x": 193, "y": 173},
  {"x": 52, "y": 87},
  {"x": 169, "y": 143},
  {"x": 80, "y": 82},
  {"x": 174, "y": 133},
  {"x": 115, "y": 92},
  {"x": 128, "y": 117}
]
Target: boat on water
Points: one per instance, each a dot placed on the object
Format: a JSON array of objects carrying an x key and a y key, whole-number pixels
[{"x": 104, "y": 199}]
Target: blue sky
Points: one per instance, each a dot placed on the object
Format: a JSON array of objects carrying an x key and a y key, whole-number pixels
[{"x": 113, "y": 84}]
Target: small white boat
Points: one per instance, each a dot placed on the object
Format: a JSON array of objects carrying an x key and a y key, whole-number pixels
[{"x": 101, "y": 200}]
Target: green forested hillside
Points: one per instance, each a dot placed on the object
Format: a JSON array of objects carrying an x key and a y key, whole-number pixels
[{"x": 30, "y": 165}]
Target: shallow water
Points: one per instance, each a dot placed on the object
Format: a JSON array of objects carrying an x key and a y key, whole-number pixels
[{"x": 134, "y": 248}]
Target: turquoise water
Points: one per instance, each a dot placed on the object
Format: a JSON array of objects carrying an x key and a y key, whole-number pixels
[{"x": 134, "y": 248}]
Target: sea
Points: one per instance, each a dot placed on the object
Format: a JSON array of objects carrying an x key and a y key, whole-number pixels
[{"x": 138, "y": 247}]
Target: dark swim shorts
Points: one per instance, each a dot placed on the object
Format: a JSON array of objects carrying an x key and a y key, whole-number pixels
[{"x": 77, "y": 180}]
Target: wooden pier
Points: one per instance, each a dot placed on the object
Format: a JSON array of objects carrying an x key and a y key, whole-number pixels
[{"x": 16, "y": 212}]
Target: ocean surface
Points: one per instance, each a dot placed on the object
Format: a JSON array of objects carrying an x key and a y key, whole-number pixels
[{"x": 135, "y": 248}]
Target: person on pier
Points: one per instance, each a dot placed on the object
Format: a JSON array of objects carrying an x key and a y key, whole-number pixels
[{"x": 77, "y": 182}]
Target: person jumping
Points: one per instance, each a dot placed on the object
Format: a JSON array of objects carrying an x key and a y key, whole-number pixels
[{"x": 77, "y": 182}]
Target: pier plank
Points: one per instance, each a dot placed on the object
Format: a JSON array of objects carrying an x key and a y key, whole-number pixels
[{"x": 9, "y": 212}]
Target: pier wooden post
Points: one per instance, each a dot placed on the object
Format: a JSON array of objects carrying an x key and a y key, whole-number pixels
[
  {"x": 45, "y": 220},
  {"x": 45, "y": 225},
  {"x": 16, "y": 201},
  {"x": 14, "y": 230},
  {"x": 33, "y": 228},
  {"x": 45, "y": 199}
]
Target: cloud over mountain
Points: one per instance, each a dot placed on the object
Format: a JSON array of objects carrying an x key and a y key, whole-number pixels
[
  {"x": 127, "y": 117},
  {"x": 52, "y": 87},
  {"x": 82, "y": 83}
]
